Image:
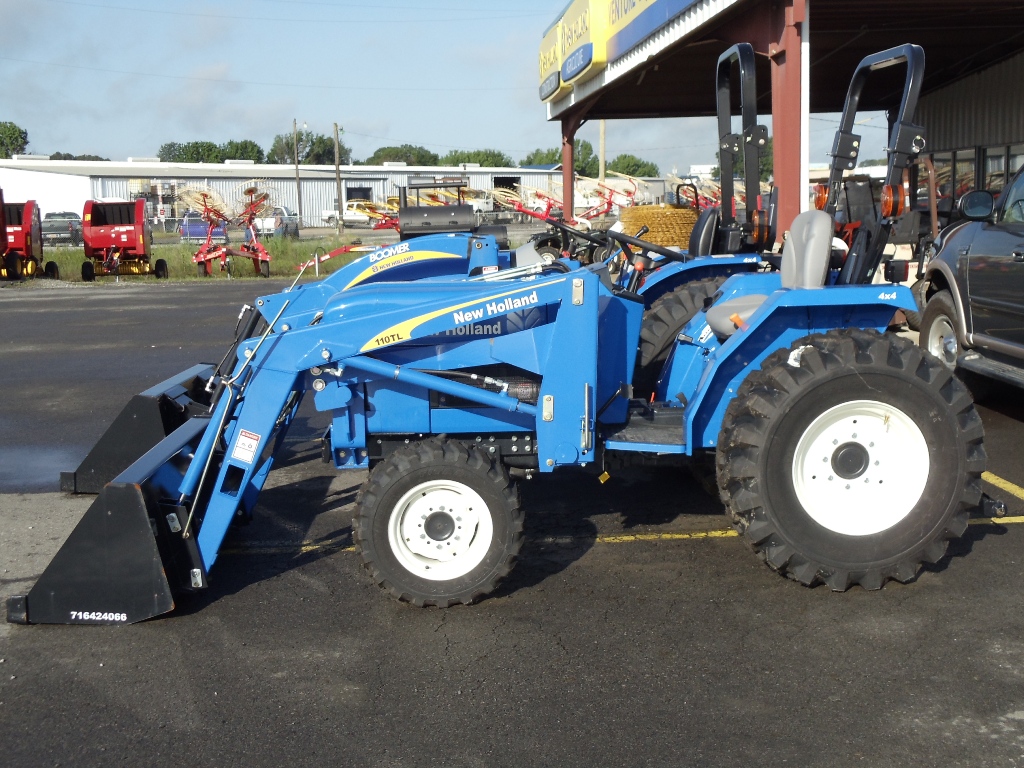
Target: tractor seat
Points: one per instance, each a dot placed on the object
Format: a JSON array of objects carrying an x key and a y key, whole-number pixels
[{"x": 804, "y": 264}]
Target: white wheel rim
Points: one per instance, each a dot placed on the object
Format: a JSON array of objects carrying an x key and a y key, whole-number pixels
[
  {"x": 440, "y": 530},
  {"x": 942, "y": 341},
  {"x": 885, "y": 470}
]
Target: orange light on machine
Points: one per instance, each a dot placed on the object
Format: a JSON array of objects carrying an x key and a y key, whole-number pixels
[
  {"x": 820, "y": 196},
  {"x": 894, "y": 201}
]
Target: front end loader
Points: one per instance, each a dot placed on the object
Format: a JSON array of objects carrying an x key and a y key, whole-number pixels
[{"x": 844, "y": 454}]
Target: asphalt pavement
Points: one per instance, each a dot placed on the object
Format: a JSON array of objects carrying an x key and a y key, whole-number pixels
[{"x": 634, "y": 631}]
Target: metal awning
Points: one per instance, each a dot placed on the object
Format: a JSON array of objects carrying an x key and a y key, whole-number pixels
[{"x": 671, "y": 73}]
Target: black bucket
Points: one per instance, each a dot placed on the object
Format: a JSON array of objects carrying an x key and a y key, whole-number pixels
[
  {"x": 148, "y": 418},
  {"x": 127, "y": 557}
]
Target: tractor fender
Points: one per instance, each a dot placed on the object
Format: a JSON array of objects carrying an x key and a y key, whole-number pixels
[{"x": 785, "y": 317}]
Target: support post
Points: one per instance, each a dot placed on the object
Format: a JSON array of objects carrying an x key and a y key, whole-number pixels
[
  {"x": 340, "y": 223},
  {"x": 788, "y": 28},
  {"x": 569, "y": 127}
]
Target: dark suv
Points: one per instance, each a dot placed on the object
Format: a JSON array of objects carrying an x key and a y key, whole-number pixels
[{"x": 974, "y": 287}]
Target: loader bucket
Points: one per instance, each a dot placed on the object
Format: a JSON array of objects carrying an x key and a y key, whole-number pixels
[
  {"x": 122, "y": 564},
  {"x": 148, "y": 418}
]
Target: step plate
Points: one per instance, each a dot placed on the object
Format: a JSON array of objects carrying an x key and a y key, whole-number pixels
[{"x": 976, "y": 363}]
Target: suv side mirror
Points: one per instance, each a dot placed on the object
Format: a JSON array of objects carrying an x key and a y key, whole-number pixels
[{"x": 977, "y": 205}]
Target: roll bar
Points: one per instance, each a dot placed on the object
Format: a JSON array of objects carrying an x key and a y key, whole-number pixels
[{"x": 906, "y": 140}]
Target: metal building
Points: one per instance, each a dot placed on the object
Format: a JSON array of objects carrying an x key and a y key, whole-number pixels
[{"x": 65, "y": 185}]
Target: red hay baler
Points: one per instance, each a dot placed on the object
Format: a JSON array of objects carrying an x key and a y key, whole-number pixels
[
  {"x": 23, "y": 242},
  {"x": 117, "y": 239}
]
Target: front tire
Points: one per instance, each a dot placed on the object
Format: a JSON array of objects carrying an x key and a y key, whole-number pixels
[
  {"x": 160, "y": 269},
  {"x": 438, "y": 523},
  {"x": 939, "y": 336},
  {"x": 851, "y": 458},
  {"x": 264, "y": 269}
]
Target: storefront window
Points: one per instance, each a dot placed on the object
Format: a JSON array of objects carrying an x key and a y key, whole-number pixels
[
  {"x": 1016, "y": 157},
  {"x": 943, "y": 173},
  {"x": 995, "y": 168},
  {"x": 964, "y": 172}
]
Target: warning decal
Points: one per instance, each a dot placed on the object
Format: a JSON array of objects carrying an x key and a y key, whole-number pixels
[{"x": 245, "y": 446}]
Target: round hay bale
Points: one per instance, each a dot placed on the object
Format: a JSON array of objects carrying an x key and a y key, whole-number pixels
[{"x": 668, "y": 224}]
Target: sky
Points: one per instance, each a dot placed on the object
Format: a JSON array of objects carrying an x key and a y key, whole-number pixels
[{"x": 119, "y": 78}]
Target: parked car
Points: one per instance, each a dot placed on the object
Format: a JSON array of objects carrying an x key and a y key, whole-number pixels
[
  {"x": 357, "y": 213},
  {"x": 974, "y": 287},
  {"x": 193, "y": 229},
  {"x": 289, "y": 223},
  {"x": 62, "y": 227}
]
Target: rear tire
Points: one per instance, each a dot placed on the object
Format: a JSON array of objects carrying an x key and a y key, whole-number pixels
[
  {"x": 201, "y": 269},
  {"x": 88, "y": 272},
  {"x": 662, "y": 323},
  {"x": 264, "y": 269},
  {"x": 12, "y": 263},
  {"x": 160, "y": 269},
  {"x": 438, "y": 523},
  {"x": 881, "y": 503},
  {"x": 51, "y": 270}
]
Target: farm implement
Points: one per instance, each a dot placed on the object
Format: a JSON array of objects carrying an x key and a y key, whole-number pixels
[
  {"x": 253, "y": 203},
  {"x": 21, "y": 253},
  {"x": 845, "y": 455},
  {"x": 117, "y": 241}
]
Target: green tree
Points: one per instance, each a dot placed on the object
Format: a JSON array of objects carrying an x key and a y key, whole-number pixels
[
  {"x": 282, "y": 149},
  {"x": 407, "y": 153},
  {"x": 201, "y": 152},
  {"x": 543, "y": 157},
  {"x": 585, "y": 161},
  {"x": 169, "y": 152},
  {"x": 314, "y": 149},
  {"x": 489, "y": 158},
  {"x": 246, "y": 149},
  {"x": 69, "y": 156},
  {"x": 631, "y": 165},
  {"x": 13, "y": 140},
  {"x": 191, "y": 152},
  {"x": 320, "y": 151}
]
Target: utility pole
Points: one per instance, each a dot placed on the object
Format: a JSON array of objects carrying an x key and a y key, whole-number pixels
[
  {"x": 600, "y": 152},
  {"x": 298, "y": 185},
  {"x": 337, "y": 178}
]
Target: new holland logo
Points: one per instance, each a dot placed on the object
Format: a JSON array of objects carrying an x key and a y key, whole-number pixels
[{"x": 495, "y": 308}]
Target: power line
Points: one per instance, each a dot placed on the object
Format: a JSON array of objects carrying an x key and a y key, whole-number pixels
[{"x": 314, "y": 86}]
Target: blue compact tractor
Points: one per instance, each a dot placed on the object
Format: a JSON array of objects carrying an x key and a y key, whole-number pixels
[{"x": 843, "y": 453}]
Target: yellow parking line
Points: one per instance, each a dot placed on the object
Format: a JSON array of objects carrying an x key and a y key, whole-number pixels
[
  {"x": 1003, "y": 485},
  {"x": 723, "y": 533}
]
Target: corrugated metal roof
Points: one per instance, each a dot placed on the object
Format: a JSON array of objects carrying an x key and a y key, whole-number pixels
[{"x": 981, "y": 110}]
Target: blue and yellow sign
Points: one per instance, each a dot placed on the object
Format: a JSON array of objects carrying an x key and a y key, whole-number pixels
[
  {"x": 551, "y": 85},
  {"x": 590, "y": 33},
  {"x": 583, "y": 41}
]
